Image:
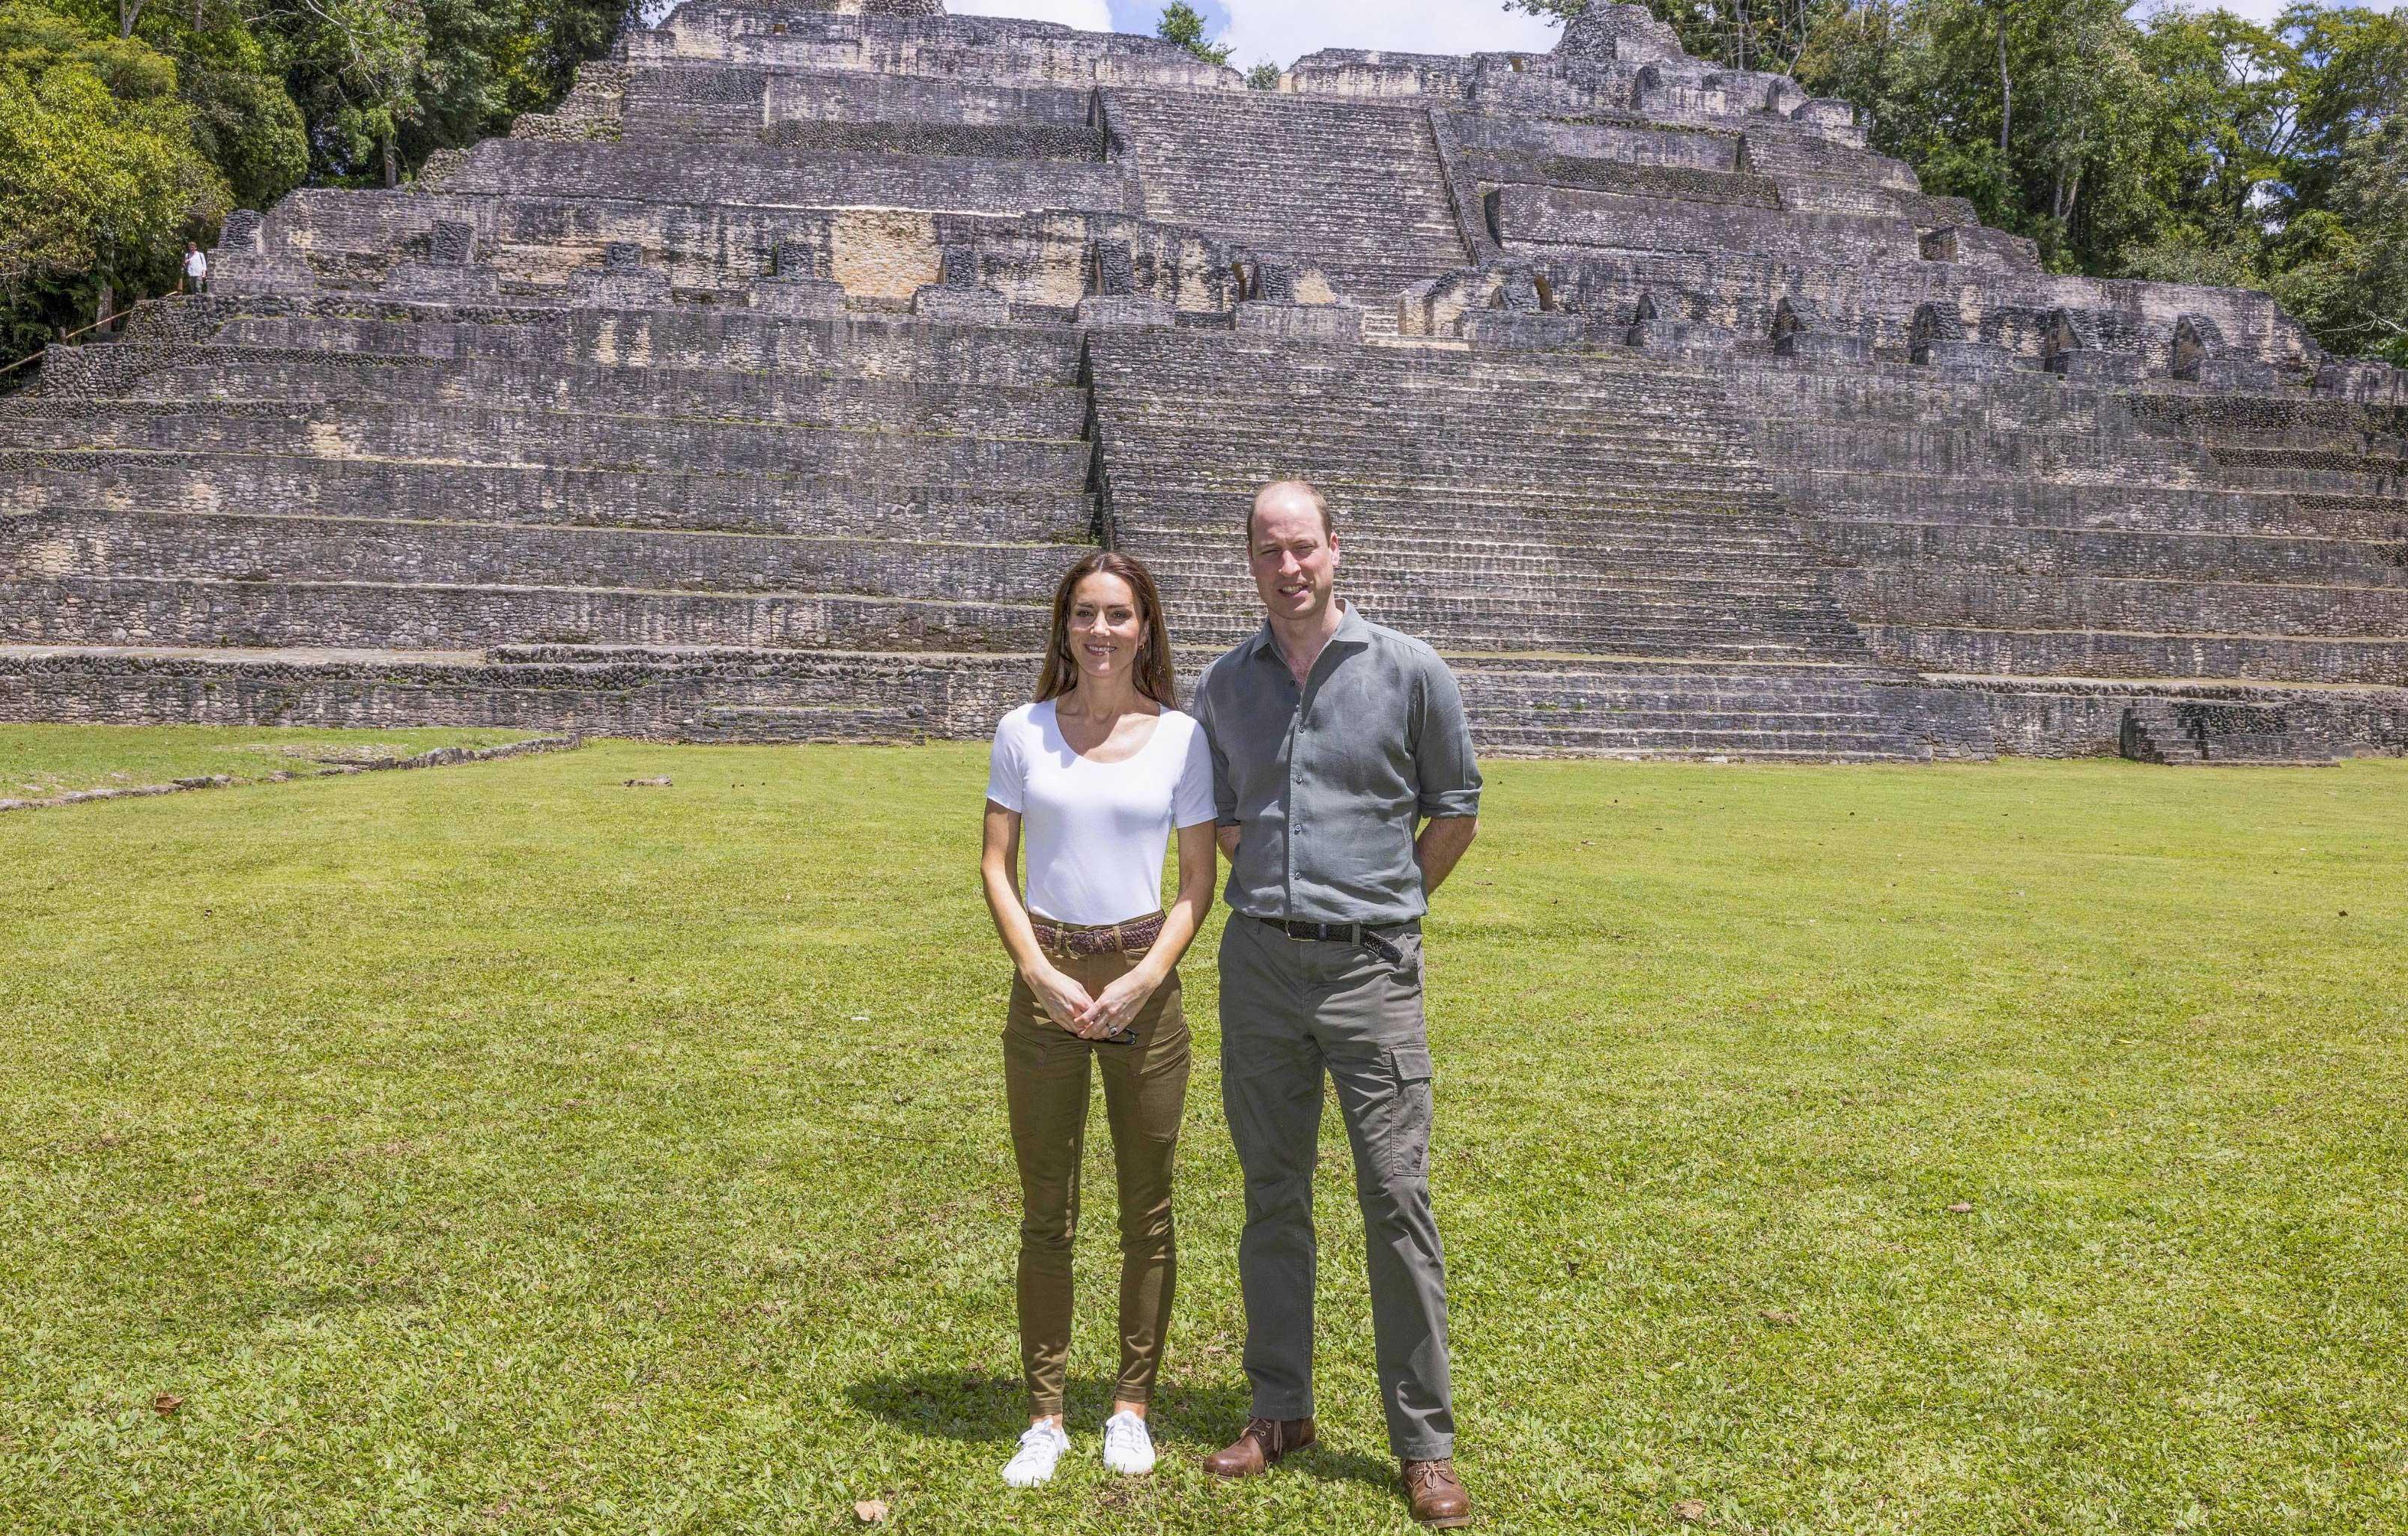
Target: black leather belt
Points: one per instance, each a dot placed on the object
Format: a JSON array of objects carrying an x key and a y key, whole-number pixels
[{"x": 1379, "y": 940}]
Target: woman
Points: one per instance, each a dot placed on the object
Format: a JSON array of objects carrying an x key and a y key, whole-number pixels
[{"x": 1094, "y": 774}]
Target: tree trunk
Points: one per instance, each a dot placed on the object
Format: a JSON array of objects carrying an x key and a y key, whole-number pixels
[
  {"x": 392, "y": 165},
  {"x": 2006, "y": 86},
  {"x": 128, "y": 12},
  {"x": 108, "y": 303}
]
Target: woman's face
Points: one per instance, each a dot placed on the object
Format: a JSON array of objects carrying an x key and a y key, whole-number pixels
[{"x": 1105, "y": 625}]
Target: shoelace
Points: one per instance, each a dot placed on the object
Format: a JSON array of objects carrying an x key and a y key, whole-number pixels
[
  {"x": 1266, "y": 1431},
  {"x": 1425, "y": 1474},
  {"x": 1035, "y": 1436},
  {"x": 1120, "y": 1431}
]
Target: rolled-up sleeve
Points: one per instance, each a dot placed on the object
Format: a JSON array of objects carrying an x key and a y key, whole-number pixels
[
  {"x": 1224, "y": 793},
  {"x": 1448, "y": 773}
]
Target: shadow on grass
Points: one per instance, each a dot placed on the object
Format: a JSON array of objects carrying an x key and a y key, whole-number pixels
[{"x": 979, "y": 1407}]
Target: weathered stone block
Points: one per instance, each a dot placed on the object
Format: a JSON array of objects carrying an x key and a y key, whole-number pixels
[
  {"x": 1332, "y": 322},
  {"x": 1126, "y": 309},
  {"x": 1520, "y": 329},
  {"x": 441, "y": 281},
  {"x": 2234, "y": 375},
  {"x": 1830, "y": 347},
  {"x": 2092, "y": 366},
  {"x": 968, "y": 306},
  {"x": 813, "y": 298},
  {"x": 452, "y": 242}
]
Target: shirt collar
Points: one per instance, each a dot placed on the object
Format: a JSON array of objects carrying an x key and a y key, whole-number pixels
[{"x": 1353, "y": 629}]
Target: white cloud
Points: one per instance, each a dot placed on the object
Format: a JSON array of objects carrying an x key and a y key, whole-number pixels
[
  {"x": 1283, "y": 31},
  {"x": 1086, "y": 15}
]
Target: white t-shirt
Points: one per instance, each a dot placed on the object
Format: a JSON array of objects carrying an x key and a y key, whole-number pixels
[
  {"x": 195, "y": 264},
  {"x": 1096, "y": 833}
]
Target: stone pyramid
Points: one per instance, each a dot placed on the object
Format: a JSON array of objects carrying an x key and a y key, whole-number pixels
[{"x": 761, "y": 392}]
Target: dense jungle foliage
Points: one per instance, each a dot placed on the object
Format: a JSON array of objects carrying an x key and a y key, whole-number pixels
[{"x": 130, "y": 126}]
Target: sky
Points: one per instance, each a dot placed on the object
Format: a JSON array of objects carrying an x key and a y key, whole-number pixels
[{"x": 1283, "y": 31}]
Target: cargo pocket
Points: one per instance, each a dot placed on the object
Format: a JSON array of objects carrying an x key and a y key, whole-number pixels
[{"x": 1404, "y": 1151}]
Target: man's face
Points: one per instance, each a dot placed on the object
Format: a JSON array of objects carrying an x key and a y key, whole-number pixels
[{"x": 1295, "y": 562}]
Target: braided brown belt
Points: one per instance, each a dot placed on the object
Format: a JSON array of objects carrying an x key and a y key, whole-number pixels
[{"x": 1123, "y": 938}]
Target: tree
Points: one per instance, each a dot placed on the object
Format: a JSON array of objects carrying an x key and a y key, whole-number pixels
[
  {"x": 101, "y": 181},
  {"x": 1180, "y": 23},
  {"x": 1263, "y": 76},
  {"x": 355, "y": 72}
]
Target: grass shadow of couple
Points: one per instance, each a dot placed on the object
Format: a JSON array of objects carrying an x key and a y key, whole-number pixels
[{"x": 976, "y": 1406}]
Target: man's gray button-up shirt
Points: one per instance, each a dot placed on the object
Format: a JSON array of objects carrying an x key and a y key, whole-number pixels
[{"x": 1325, "y": 784}]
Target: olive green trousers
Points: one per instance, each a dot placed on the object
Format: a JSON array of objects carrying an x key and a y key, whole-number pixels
[{"x": 1046, "y": 1071}]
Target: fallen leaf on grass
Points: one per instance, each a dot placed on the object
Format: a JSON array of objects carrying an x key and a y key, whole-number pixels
[
  {"x": 1689, "y": 1511},
  {"x": 1779, "y": 1317},
  {"x": 1962, "y": 1208},
  {"x": 870, "y": 1512},
  {"x": 649, "y": 783},
  {"x": 165, "y": 1403}
]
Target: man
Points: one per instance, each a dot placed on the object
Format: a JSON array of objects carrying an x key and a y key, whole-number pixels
[
  {"x": 196, "y": 269},
  {"x": 1331, "y": 737}
]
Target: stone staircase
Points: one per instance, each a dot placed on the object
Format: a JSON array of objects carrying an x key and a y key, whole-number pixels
[
  {"x": 2010, "y": 530},
  {"x": 516, "y": 524},
  {"x": 1583, "y": 536},
  {"x": 1351, "y": 186},
  {"x": 2182, "y": 733}
]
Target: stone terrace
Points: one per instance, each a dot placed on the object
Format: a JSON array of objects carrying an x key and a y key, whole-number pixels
[{"x": 762, "y": 389}]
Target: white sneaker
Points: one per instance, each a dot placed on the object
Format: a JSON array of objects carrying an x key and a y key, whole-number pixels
[
  {"x": 1128, "y": 1450},
  {"x": 1033, "y": 1463}
]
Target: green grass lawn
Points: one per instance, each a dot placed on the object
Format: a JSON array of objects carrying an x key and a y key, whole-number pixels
[
  {"x": 37, "y": 761},
  {"x": 505, "y": 1149}
]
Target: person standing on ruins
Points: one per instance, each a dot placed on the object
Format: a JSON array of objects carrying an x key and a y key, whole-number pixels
[
  {"x": 1096, "y": 773},
  {"x": 1332, "y": 738}
]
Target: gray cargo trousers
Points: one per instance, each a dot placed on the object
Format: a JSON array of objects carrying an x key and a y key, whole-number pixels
[{"x": 1290, "y": 1009}]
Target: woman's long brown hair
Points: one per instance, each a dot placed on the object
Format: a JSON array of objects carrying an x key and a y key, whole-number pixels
[{"x": 1154, "y": 678}]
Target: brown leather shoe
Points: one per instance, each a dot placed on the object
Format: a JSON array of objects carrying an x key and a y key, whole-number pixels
[
  {"x": 1439, "y": 1499},
  {"x": 1256, "y": 1450}
]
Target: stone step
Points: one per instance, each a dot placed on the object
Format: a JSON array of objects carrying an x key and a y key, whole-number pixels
[
  {"x": 1222, "y": 628},
  {"x": 78, "y": 610},
  {"x": 2099, "y": 654},
  {"x": 1949, "y": 597},
  {"x": 1805, "y": 745},
  {"x": 1438, "y": 467},
  {"x": 827, "y": 506},
  {"x": 1923, "y": 498},
  {"x": 1158, "y": 496},
  {"x": 1131, "y": 358},
  {"x": 2303, "y": 473},
  {"x": 232, "y": 373},
  {"x": 767, "y": 175},
  {"x": 800, "y": 723},
  {"x": 1486, "y": 578},
  {"x": 240, "y": 547},
  {"x": 623, "y": 691},
  {"x": 1924, "y": 398},
  {"x": 1970, "y": 453},
  {"x": 2161, "y": 556},
  {"x": 735, "y": 340},
  {"x": 377, "y": 430}
]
